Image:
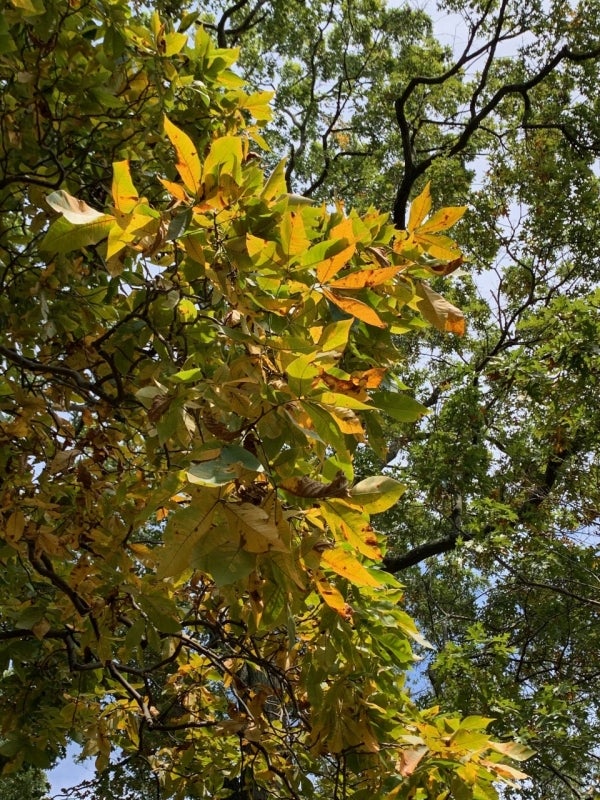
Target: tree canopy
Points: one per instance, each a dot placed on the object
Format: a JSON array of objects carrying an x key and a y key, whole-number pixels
[{"x": 232, "y": 334}]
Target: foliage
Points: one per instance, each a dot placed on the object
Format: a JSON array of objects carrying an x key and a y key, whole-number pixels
[
  {"x": 192, "y": 370},
  {"x": 191, "y": 357},
  {"x": 29, "y": 782}
]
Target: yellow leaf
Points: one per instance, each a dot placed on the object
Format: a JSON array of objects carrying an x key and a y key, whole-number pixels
[
  {"x": 124, "y": 193},
  {"x": 419, "y": 208},
  {"x": 344, "y": 230},
  {"x": 258, "y": 532},
  {"x": 347, "y": 421},
  {"x": 356, "y": 308},
  {"x": 437, "y": 310},
  {"x": 438, "y": 246},
  {"x": 332, "y": 597},
  {"x": 349, "y": 524},
  {"x": 15, "y": 525},
  {"x": 276, "y": 184},
  {"x": 175, "y": 190},
  {"x": 173, "y": 43},
  {"x": 185, "y": 529},
  {"x": 328, "y": 268},
  {"x": 366, "y": 278},
  {"x": 259, "y": 105},
  {"x": 193, "y": 248},
  {"x": 293, "y": 234},
  {"x": 443, "y": 219},
  {"x": 224, "y": 158},
  {"x": 188, "y": 164},
  {"x": 346, "y": 565}
]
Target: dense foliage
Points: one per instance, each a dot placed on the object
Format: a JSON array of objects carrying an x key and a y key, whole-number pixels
[{"x": 203, "y": 398}]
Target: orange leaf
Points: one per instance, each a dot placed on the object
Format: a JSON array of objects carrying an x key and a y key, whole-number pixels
[
  {"x": 175, "y": 190},
  {"x": 365, "y": 278},
  {"x": 188, "y": 164},
  {"x": 332, "y": 597},
  {"x": 357, "y": 309},
  {"x": 326, "y": 269}
]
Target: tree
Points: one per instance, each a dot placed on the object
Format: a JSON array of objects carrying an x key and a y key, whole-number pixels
[
  {"x": 191, "y": 357},
  {"x": 490, "y": 501},
  {"x": 30, "y": 783}
]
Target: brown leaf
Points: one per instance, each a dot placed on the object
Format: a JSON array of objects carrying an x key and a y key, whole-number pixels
[
  {"x": 409, "y": 760},
  {"x": 307, "y": 487}
]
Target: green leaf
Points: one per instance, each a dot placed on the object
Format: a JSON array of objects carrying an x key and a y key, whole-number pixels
[
  {"x": 230, "y": 464},
  {"x": 377, "y": 493},
  {"x": 401, "y": 407},
  {"x": 64, "y": 236}
]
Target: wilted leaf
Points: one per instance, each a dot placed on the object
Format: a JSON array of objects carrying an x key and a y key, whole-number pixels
[
  {"x": 307, "y": 487},
  {"x": 75, "y": 211},
  {"x": 514, "y": 750},
  {"x": 437, "y": 310},
  {"x": 409, "y": 760}
]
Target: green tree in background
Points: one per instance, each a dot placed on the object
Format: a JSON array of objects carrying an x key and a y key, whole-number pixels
[
  {"x": 28, "y": 783},
  {"x": 204, "y": 397}
]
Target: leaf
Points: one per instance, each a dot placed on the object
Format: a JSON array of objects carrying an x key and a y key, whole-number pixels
[
  {"x": 345, "y": 564},
  {"x": 333, "y": 597},
  {"x": 377, "y": 493},
  {"x": 514, "y": 750},
  {"x": 438, "y": 311},
  {"x": 258, "y": 532},
  {"x": 174, "y": 43},
  {"x": 505, "y": 771},
  {"x": 351, "y": 525},
  {"x": 307, "y": 487},
  {"x": 419, "y": 208},
  {"x": 399, "y": 406},
  {"x": 229, "y": 465},
  {"x": 188, "y": 164},
  {"x": 175, "y": 190},
  {"x": 332, "y": 265},
  {"x": 356, "y": 308},
  {"x": 75, "y": 211},
  {"x": 470, "y": 740},
  {"x": 259, "y": 105},
  {"x": 124, "y": 193},
  {"x": 14, "y": 527},
  {"x": 293, "y": 234},
  {"x": 443, "y": 219},
  {"x": 366, "y": 278},
  {"x": 185, "y": 528},
  {"x": 64, "y": 236},
  {"x": 276, "y": 185},
  {"x": 409, "y": 760},
  {"x": 224, "y": 158}
]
